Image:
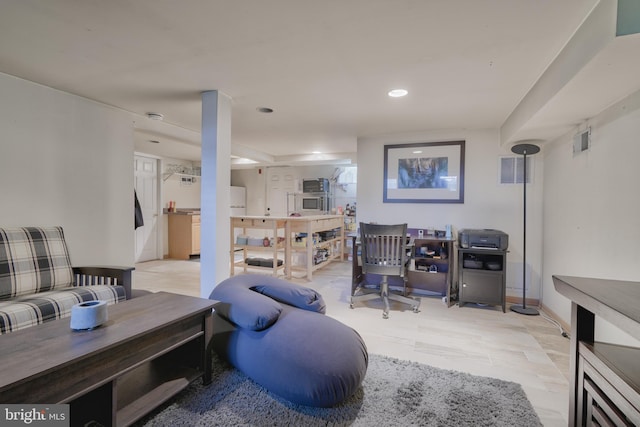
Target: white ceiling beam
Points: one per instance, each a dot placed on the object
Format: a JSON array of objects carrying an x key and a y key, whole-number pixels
[{"x": 597, "y": 31}]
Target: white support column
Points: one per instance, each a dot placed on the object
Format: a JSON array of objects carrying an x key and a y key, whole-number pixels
[{"x": 215, "y": 190}]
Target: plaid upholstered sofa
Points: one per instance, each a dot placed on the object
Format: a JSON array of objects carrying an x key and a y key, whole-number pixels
[{"x": 38, "y": 283}]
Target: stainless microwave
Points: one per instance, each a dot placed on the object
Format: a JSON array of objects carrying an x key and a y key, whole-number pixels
[
  {"x": 315, "y": 185},
  {"x": 314, "y": 203}
]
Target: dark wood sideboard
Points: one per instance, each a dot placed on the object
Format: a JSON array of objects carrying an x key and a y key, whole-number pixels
[
  {"x": 151, "y": 348},
  {"x": 605, "y": 378}
]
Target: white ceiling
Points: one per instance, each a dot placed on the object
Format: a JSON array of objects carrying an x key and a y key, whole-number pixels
[{"x": 325, "y": 66}]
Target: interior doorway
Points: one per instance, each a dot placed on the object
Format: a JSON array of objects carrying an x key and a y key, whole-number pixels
[{"x": 147, "y": 240}]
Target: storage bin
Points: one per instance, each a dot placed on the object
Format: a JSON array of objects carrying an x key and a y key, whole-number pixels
[
  {"x": 255, "y": 241},
  {"x": 299, "y": 258}
]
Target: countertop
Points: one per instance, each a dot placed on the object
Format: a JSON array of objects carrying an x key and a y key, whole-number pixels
[
  {"x": 182, "y": 211},
  {"x": 289, "y": 218}
]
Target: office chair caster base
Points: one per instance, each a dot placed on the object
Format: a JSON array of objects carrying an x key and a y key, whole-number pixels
[{"x": 416, "y": 306}]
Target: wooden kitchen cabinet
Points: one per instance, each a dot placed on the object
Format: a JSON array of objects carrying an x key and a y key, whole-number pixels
[{"x": 184, "y": 235}]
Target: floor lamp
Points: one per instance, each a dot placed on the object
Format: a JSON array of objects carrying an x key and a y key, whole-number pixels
[{"x": 524, "y": 149}]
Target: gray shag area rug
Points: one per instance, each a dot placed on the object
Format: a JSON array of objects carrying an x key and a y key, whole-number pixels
[{"x": 394, "y": 393}]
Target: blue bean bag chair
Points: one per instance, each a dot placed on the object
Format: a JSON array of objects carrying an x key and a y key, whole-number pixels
[{"x": 277, "y": 334}]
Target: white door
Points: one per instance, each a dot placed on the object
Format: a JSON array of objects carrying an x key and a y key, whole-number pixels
[
  {"x": 280, "y": 182},
  {"x": 146, "y": 185}
]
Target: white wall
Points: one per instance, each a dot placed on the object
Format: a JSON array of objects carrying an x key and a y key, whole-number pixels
[
  {"x": 254, "y": 180},
  {"x": 592, "y": 208},
  {"x": 487, "y": 204},
  {"x": 186, "y": 196},
  {"x": 65, "y": 160}
]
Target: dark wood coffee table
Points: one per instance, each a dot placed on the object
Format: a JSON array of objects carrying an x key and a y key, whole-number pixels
[{"x": 151, "y": 348}]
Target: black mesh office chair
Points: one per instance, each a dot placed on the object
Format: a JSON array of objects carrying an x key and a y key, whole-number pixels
[{"x": 384, "y": 252}]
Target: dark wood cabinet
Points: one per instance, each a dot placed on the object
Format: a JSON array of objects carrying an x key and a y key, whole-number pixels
[
  {"x": 482, "y": 277},
  {"x": 601, "y": 402},
  {"x": 605, "y": 378},
  {"x": 432, "y": 265}
]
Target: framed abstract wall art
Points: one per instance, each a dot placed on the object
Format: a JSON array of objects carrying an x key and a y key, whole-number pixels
[{"x": 428, "y": 172}]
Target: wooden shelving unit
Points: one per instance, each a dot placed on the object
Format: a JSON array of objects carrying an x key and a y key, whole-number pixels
[
  {"x": 286, "y": 248},
  {"x": 274, "y": 226},
  {"x": 432, "y": 265},
  {"x": 314, "y": 225}
]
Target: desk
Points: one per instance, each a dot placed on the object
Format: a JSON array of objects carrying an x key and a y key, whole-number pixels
[
  {"x": 440, "y": 282},
  {"x": 605, "y": 378},
  {"x": 432, "y": 266}
]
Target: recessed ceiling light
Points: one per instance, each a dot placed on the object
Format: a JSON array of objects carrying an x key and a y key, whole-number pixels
[
  {"x": 397, "y": 93},
  {"x": 155, "y": 116},
  {"x": 265, "y": 110},
  {"x": 316, "y": 152}
]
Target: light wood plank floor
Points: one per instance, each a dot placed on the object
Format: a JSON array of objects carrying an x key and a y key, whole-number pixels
[{"x": 482, "y": 341}]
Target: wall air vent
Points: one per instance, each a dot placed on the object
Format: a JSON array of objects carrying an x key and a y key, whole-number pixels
[
  {"x": 582, "y": 141},
  {"x": 512, "y": 170}
]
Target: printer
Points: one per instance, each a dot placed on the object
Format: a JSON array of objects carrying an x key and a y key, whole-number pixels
[{"x": 483, "y": 238}]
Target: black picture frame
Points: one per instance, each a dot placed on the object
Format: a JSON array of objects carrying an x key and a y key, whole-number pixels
[{"x": 426, "y": 172}]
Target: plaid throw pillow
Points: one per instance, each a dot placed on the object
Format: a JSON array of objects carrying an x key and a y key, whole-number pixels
[{"x": 33, "y": 259}]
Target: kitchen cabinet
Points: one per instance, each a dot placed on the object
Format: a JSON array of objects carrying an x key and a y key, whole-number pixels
[{"x": 184, "y": 235}]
